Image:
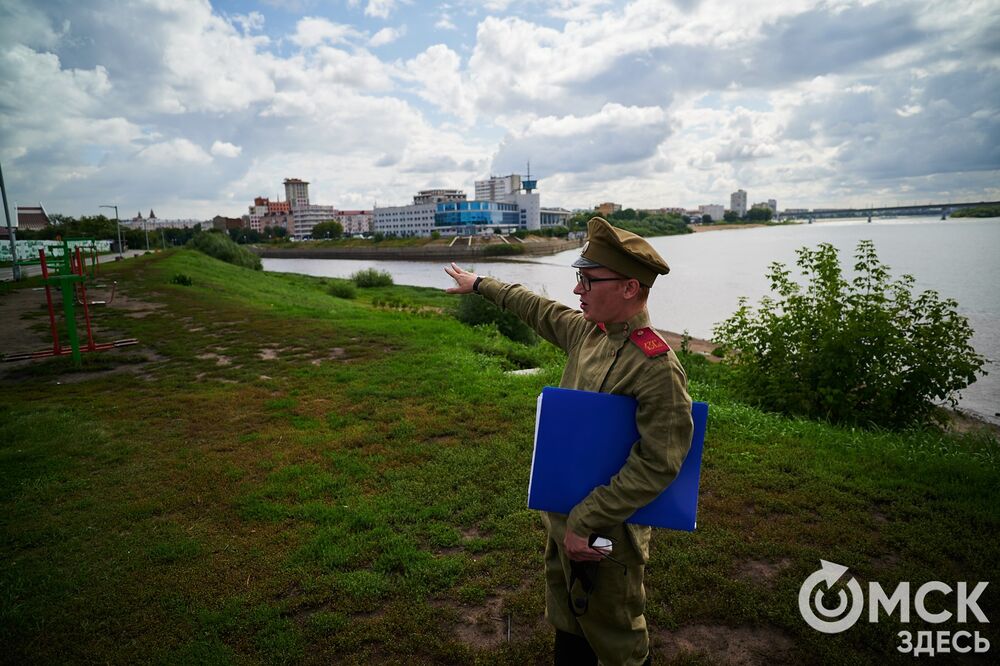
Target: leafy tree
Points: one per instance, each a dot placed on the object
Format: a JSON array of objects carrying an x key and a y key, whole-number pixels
[
  {"x": 624, "y": 214},
  {"x": 706, "y": 219},
  {"x": 978, "y": 211},
  {"x": 866, "y": 351},
  {"x": 655, "y": 225},
  {"x": 759, "y": 214},
  {"x": 244, "y": 235},
  {"x": 328, "y": 229},
  {"x": 731, "y": 216}
]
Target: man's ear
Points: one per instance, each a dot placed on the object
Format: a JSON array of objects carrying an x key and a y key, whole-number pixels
[{"x": 632, "y": 288}]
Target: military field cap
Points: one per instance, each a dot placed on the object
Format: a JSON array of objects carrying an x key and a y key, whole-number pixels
[{"x": 621, "y": 251}]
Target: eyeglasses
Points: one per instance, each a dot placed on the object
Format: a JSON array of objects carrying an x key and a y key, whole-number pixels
[{"x": 588, "y": 281}]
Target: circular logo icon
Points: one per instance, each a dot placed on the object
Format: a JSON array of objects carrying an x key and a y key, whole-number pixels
[{"x": 811, "y": 600}]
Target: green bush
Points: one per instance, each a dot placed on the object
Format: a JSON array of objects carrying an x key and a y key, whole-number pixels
[
  {"x": 342, "y": 289},
  {"x": 371, "y": 277},
  {"x": 473, "y": 310},
  {"x": 865, "y": 352},
  {"x": 502, "y": 250},
  {"x": 181, "y": 279},
  {"x": 222, "y": 247}
]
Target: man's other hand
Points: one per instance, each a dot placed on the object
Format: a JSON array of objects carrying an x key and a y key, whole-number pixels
[
  {"x": 578, "y": 549},
  {"x": 463, "y": 279}
]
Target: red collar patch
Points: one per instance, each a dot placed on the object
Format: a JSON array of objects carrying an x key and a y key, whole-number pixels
[
  {"x": 649, "y": 342},
  {"x": 602, "y": 327}
]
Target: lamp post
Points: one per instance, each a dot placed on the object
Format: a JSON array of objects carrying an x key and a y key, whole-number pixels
[
  {"x": 15, "y": 271},
  {"x": 119, "y": 223}
]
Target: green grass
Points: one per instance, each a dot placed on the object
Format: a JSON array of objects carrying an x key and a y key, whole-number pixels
[{"x": 349, "y": 486}]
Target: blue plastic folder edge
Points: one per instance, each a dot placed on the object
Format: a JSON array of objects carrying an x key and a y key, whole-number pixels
[{"x": 583, "y": 438}]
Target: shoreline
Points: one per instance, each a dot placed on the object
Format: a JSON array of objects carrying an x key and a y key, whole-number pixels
[
  {"x": 959, "y": 420},
  {"x": 430, "y": 252}
]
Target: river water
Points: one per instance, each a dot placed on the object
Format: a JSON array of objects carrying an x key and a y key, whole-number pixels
[{"x": 958, "y": 258}]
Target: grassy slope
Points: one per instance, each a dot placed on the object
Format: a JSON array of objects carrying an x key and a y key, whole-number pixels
[{"x": 360, "y": 498}]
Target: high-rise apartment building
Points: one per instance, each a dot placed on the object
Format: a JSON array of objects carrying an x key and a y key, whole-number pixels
[
  {"x": 738, "y": 202},
  {"x": 498, "y": 188},
  {"x": 296, "y": 192}
]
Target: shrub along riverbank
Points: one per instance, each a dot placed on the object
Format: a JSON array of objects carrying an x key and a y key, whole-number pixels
[{"x": 280, "y": 474}]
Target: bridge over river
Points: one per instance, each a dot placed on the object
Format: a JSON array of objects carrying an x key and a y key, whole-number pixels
[{"x": 943, "y": 209}]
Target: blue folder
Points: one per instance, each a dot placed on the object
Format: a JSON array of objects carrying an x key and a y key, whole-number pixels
[{"x": 582, "y": 439}]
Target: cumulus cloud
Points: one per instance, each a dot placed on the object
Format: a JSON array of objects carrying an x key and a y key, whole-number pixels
[
  {"x": 312, "y": 31},
  {"x": 647, "y": 101},
  {"x": 248, "y": 23},
  {"x": 386, "y": 36},
  {"x": 380, "y": 8},
  {"x": 444, "y": 23},
  {"x": 225, "y": 149},
  {"x": 173, "y": 152},
  {"x": 616, "y": 135},
  {"x": 437, "y": 72}
]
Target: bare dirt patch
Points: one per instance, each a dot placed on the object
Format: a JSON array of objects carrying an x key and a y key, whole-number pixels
[
  {"x": 133, "y": 305},
  {"x": 762, "y": 572},
  {"x": 335, "y": 354},
  {"x": 219, "y": 358},
  {"x": 734, "y": 646},
  {"x": 18, "y": 331},
  {"x": 471, "y": 534},
  {"x": 482, "y": 626}
]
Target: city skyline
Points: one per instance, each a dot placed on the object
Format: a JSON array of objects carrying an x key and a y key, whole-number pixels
[{"x": 195, "y": 109}]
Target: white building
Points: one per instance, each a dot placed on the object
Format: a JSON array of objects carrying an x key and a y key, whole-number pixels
[
  {"x": 417, "y": 219},
  {"x": 498, "y": 188},
  {"x": 714, "y": 211},
  {"x": 308, "y": 216},
  {"x": 438, "y": 196},
  {"x": 554, "y": 217},
  {"x": 164, "y": 223},
  {"x": 515, "y": 190},
  {"x": 356, "y": 221},
  {"x": 530, "y": 206},
  {"x": 412, "y": 220},
  {"x": 773, "y": 205},
  {"x": 738, "y": 202}
]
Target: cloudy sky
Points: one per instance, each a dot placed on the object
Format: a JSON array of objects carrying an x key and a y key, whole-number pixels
[{"x": 192, "y": 108}]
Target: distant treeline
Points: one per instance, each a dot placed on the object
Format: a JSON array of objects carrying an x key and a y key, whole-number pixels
[
  {"x": 978, "y": 211},
  {"x": 103, "y": 228},
  {"x": 638, "y": 222}
]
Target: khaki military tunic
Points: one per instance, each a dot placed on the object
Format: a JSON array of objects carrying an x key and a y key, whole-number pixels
[{"x": 610, "y": 362}]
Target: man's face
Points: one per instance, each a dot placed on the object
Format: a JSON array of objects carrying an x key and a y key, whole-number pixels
[{"x": 604, "y": 303}]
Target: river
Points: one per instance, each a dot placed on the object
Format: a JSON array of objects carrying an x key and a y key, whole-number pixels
[{"x": 958, "y": 258}]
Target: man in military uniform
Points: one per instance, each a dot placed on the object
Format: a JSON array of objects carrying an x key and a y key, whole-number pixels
[{"x": 595, "y": 606}]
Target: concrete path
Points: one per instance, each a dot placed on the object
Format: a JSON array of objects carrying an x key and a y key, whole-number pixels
[{"x": 7, "y": 273}]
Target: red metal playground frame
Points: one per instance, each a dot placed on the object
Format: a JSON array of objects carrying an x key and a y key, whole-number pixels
[{"x": 70, "y": 278}]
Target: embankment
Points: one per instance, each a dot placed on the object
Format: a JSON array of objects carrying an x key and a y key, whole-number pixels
[{"x": 429, "y": 252}]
